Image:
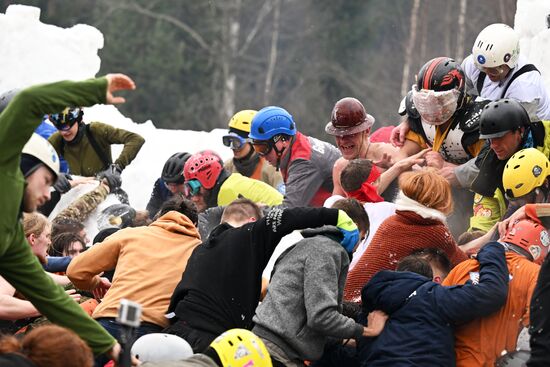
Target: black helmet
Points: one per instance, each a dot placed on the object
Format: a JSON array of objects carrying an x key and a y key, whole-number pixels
[
  {"x": 172, "y": 172},
  {"x": 6, "y": 98},
  {"x": 499, "y": 117},
  {"x": 442, "y": 74}
]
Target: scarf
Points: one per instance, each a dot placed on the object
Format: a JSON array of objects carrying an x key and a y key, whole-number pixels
[
  {"x": 367, "y": 193},
  {"x": 247, "y": 165}
]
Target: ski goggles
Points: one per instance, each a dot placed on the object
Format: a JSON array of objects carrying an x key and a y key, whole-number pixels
[
  {"x": 435, "y": 108},
  {"x": 263, "y": 147},
  {"x": 234, "y": 141},
  {"x": 65, "y": 120},
  {"x": 192, "y": 187},
  {"x": 494, "y": 71}
]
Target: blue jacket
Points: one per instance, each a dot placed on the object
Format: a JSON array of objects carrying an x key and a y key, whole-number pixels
[
  {"x": 45, "y": 130},
  {"x": 159, "y": 195},
  {"x": 422, "y": 313}
]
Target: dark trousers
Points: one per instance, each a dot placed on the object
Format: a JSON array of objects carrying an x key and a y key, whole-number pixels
[
  {"x": 336, "y": 354},
  {"x": 198, "y": 340},
  {"x": 113, "y": 328}
]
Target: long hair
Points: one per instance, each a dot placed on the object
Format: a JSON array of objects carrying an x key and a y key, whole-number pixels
[
  {"x": 427, "y": 188},
  {"x": 62, "y": 242},
  {"x": 50, "y": 346}
]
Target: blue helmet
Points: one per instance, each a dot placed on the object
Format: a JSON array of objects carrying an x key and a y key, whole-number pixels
[{"x": 271, "y": 121}]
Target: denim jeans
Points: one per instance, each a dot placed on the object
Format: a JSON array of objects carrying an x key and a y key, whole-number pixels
[{"x": 114, "y": 328}]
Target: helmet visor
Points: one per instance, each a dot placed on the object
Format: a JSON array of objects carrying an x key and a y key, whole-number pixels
[
  {"x": 192, "y": 187},
  {"x": 234, "y": 141},
  {"x": 435, "y": 108}
]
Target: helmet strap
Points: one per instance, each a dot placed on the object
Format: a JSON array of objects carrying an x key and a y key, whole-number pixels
[
  {"x": 518, "y": 250},
  {"x": 277, "y": 151}
]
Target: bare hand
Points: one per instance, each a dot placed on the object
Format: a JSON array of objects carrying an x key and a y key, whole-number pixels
[
  {"x": 116, "y": 82},
  {"x": 385, "y": 162},
  {"x": 448, "y": 172},
  {"x": 417, "y": 158},
  {"x": 114, "y": 353},
  {"x": 435, "y": 160},
  {"x": 376, "y": 321},
  {"x": 101, "y": 288},
  {"x": 397, "y": 136},
  {"x": 506, "y": 224},
  {"x": 81, "y": 180},
  {"x": 72, "y": 293}
]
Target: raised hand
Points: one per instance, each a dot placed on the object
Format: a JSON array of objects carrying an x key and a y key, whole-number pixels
[{"x": 116, "y": 82}]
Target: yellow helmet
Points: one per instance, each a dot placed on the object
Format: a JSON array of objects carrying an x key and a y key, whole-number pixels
[
  {"x": 525, "y": 171},
  {"x": 241, "y": 347},
  {"x": 242, "y": 120}
]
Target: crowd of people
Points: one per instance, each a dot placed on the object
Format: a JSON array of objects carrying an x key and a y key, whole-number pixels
[{"x": 424, "y": 247}]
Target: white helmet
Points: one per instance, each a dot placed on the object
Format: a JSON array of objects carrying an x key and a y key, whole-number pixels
[
  {"x": 41, "y": 149},
  {"x": 496, "y": 45},
  {"x": 159, "y": 347}
]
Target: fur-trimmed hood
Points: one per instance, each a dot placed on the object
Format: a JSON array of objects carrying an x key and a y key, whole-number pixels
[{"x": 404, "y": 203}]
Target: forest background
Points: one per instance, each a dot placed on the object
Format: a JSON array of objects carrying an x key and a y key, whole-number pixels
[{"x": 196, "y": 62}]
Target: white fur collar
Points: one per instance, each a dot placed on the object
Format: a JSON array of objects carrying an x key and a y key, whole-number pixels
[{"x": 405, "y": 203}]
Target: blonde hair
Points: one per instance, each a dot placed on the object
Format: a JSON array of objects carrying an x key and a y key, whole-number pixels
[
  {"x": 429, "y": 189},
  {"x": 50, "y": 346},
  {"x": 34, "y": 223}
]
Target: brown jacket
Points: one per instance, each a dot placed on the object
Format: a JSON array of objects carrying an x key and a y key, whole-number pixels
[{"x": 149, "y": 264}]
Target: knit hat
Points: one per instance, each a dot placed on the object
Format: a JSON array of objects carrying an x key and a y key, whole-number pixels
[
  {"x": 29, "y": 164},
  {"x": 158, "y": 347}
]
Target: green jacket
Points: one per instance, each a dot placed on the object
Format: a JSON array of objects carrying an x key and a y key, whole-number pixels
[
  {"x": 18, "y": 265},
  {"x": 82, "y": 157}
]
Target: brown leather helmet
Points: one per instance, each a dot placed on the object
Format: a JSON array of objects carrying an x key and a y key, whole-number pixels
[{"x": 348, "y": 117}]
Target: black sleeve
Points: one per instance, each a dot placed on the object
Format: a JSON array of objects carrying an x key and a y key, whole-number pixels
[
  {"x": 540, "y": 319},
  {"x": 156, "y": 200},
  {"x": 268, "y": 231}
]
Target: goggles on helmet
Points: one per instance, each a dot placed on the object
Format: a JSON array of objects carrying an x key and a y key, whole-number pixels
[
  {"x": 192, "y": 187},
  {"x": 435, "y": 108},
  {"x": 65, "y": 120},
  {"x": 234, "y": 141},
  {"x": 263, "y": 147}
]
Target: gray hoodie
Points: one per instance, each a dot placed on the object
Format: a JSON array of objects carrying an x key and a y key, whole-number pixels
[{"x": 304, "y": 299}]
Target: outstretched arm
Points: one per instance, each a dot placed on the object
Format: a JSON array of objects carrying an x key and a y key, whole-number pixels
[{"x": 463, "y": 303}]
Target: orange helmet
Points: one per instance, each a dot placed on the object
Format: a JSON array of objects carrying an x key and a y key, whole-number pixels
[{"x": 530, "y": 236}]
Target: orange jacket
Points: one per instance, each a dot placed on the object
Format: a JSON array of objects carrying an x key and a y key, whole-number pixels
[
  {"x": 149, "y": 264},
  {"x": 482, "y": 341}
]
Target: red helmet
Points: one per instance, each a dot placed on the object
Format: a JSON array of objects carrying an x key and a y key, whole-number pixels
[
  {"x": 348, "y": 117},
  {"x": 204, "y": 166},
  {"x": 530, "y": 236}
]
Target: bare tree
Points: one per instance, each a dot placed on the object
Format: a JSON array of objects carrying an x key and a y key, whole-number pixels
[
  {"x": 273, "y": 51},
  {"x": 459, "y": 55},
  {"x": 410, "y": 47}
]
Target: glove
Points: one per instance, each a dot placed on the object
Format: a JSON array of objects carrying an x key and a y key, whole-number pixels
[
  {"x": 63, "y": 185},
  {"x": 112, "y": 176},
  {"x": 349, "y": 230}
]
